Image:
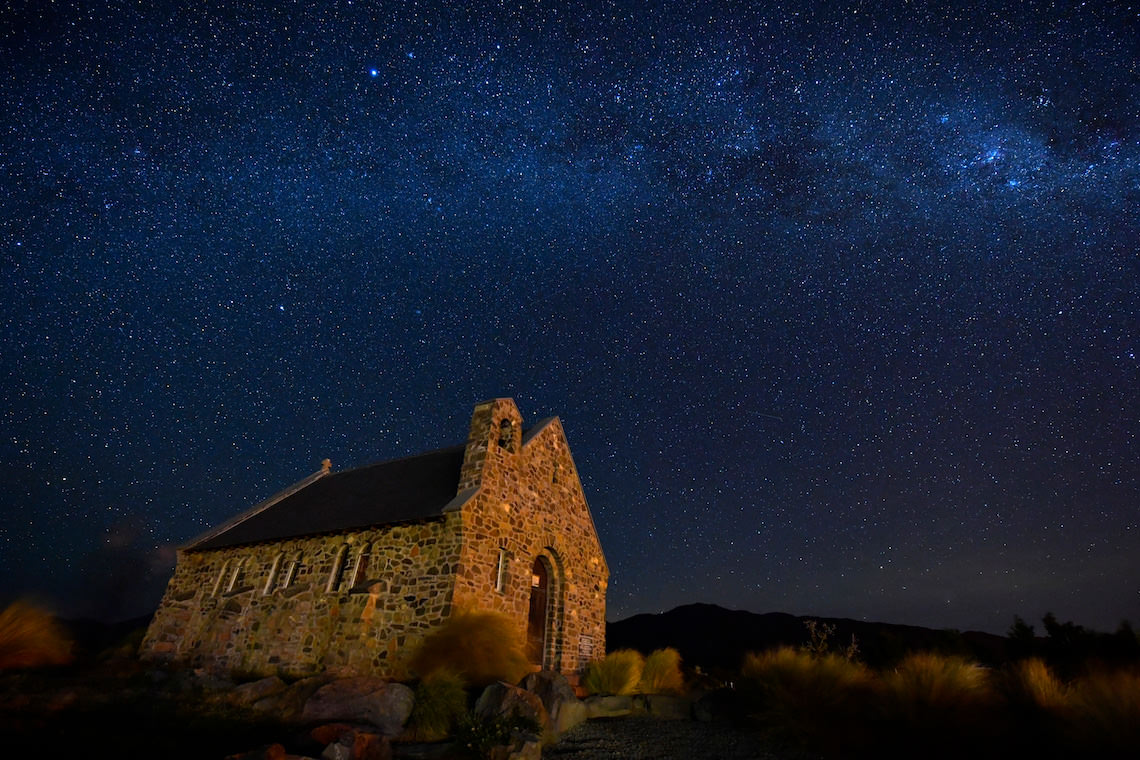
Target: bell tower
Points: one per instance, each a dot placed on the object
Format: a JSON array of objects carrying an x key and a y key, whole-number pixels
[{"x": 495, "y": 434}]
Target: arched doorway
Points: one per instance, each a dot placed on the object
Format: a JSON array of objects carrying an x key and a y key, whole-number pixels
[{"x": 539, "y": 612}]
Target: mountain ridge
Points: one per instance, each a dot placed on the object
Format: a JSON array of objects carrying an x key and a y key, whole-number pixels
[{"x": 716, "y": 638}]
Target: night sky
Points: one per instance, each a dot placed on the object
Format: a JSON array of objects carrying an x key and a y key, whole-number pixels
[{"x": 837, "y": 303}]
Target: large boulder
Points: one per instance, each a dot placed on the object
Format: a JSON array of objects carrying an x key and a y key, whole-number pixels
[
  {"x": 610, "y": 706},
  {"x": 367, "y": 700},
  {"x": 558, "y": 697},
  {"x": 247, "y": 694},
  {"x": 502, "y": 700}
]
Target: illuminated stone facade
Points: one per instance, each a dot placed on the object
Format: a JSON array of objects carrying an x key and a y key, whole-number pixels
[{"x": 512, "y": 533}]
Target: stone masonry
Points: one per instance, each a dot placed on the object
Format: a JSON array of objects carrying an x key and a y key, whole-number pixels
[{"x": 359, "y": 601}]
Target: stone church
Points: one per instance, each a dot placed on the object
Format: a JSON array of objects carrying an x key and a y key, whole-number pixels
[{"x": 345, "y": 572}]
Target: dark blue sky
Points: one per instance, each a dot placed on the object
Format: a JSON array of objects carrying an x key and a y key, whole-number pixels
[{"x": 837, "y": 303}]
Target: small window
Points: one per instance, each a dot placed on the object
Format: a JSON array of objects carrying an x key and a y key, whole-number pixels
[
  {"x": 235, "y": 579},
  {"x": 506, "y": 435},
  {"x": 337, "y": 574},
  {"x": 360, "y": 571},
  {"x": 292, "y": 572},
  {"x": 222, "y": 575},
  {"x": 501, "y": 571},
  {"x": 273, "y": 570}
]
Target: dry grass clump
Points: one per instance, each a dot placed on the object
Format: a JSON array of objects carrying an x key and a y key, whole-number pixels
[
  {"x": 809, "y": 699},
  {"x": 661, "y": 673},
  {"x": 31, "y": 637},
  {"x": 481, "y": 646},
  {"x": 1104, "y": 717},
  {"x": 440, "y": 701},
  {"x": 618, "y": 673},
  {"x": 1031, "y": 686},
  {"x": 938, "y": 705}
]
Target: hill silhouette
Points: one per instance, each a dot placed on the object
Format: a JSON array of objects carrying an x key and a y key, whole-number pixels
[{"x": 716, "y": 639}]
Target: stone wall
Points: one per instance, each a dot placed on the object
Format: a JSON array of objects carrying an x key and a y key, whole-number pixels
[
  {"x": 277, "y": 614},
  {"x": 272, "y": 608},
  {"x": 530, "y": 504}
]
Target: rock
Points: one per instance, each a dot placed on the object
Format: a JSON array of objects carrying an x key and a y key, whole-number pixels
[
  {"x": 247, "y": 694},
  {"x": 329, "y": 733},
  {"x": 287, "y": 705},
  {"x": 666, "y": 706},
  {"x": 358, "y": 745},
  {"x": 272, "y": 752},
  {"x": 558, "y": 697},
  {"x": 609, "y": 706},
  {"x": 501, "y": 700},
  {"x": 522, "y": 747},
  {"x": 367, "y": 700}
]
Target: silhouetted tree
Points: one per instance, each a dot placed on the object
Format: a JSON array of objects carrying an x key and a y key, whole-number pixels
[{"x": 1022, "y": 639}]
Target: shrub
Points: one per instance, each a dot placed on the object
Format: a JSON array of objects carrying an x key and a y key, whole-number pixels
[
  {"x": 661, "y": 673},
  {"x": 440, "y": 701},
  {"x": 618, "y": 673},
  {"x": 31, "y": 637},
  {"x": 816, "y": 701},
  {"x": 482, "y": 646},
  {"x": 1029, "y": 686},
  {"x": 1105, "y": 717},
  {"x": 478, "y": 737},
  {"x": 939, "y": 705}
]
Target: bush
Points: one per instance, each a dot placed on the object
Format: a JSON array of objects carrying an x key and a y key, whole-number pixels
[
  {"x": 820, "y": 702},
  {"x": 661, "y": 673},
  {"x": 939, "y": 705},
  {"x": 482, "y": 646},
  {"x": 1105, "y": 714},
  {"x": 477, "y": 737},
  {"x": 618, "y": 673},
  {"x": 31, "y": 637},
  {"x": 440, "y": 701},
  {"x": 1030, "y": 687}
]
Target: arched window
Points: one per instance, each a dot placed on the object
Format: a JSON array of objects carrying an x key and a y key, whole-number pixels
[
  {"x": 501, "y": 570},
  {"x": 292, "y": 572},
  {"x": 337, "y": 574},
  {"x": 235, "y": 579},
  {"x": 222, "y": 575},
  {"x": 360, "y": 571},
  {"x": 506, "y": 435},
  {"x": 273, "y": 570}
]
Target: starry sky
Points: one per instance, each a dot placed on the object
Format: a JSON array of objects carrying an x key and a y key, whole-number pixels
[{"x": 836, "y": 302}]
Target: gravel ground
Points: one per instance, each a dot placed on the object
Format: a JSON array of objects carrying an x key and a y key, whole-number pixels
[{"x": 649, "y": 739}]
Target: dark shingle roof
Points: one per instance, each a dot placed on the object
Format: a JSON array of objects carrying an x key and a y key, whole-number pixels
[{"x": 402, "y": 490}]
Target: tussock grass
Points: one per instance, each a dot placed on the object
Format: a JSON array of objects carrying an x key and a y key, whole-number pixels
[
  {"x": 618, "y": 673},
  {"x": 31, "y": 637},
  {"x": 1104, "y": 713},
  {"x": 440, "y": 701},
  {"x": 661, "y": 673},
  {"x": 482, "y": 646},
  {"x": 1031, "y": 686},
  {"x": 812, "y": 700}
]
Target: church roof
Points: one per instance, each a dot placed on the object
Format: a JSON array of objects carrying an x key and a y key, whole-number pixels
[{"x": 401, "y": 490}]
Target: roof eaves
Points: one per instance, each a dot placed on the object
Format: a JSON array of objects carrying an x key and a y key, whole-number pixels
[{"x": 256, "y": 509}]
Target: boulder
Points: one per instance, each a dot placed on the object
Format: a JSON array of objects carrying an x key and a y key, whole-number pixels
[
  {"x": 666, "y": 706},
  {"x": 359, "y": 745},
  {"x": 609, "y": 706},
  {"x": 366, "y": 700},
  {"x": 502, "y": 700},
  {"x": 558, "y": 697},
  {"x": 246, "y": 694},
  {"x": 288, "y": 704}
]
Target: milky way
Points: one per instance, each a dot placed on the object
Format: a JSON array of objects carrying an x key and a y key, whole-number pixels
[{"x": 837, "y": 304}]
